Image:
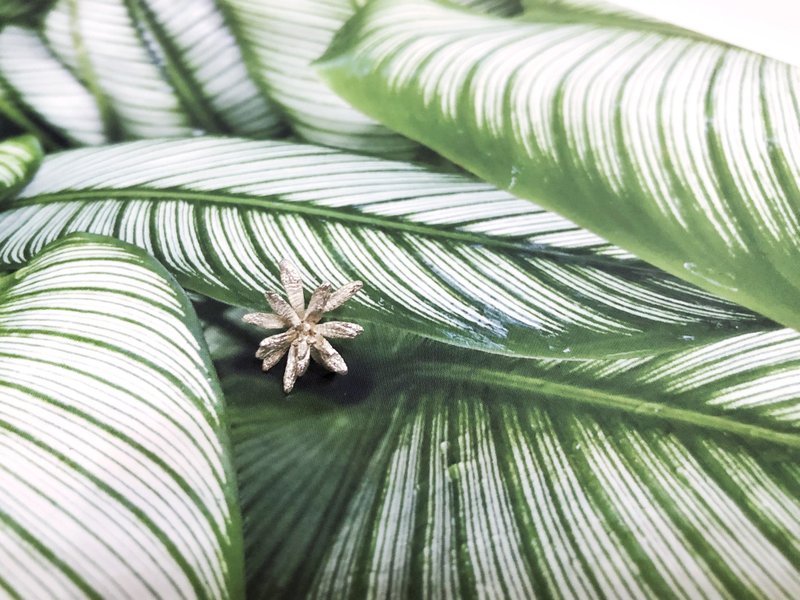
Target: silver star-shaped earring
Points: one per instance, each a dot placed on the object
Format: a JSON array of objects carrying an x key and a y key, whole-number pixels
[{"x": 305, "y": 337}]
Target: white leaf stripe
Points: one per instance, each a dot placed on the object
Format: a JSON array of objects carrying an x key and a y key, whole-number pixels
[
  {"x": 397, "y": 518},
  {"x": 111, "y": 426},
  {"x": 200, "y": 53},
  {"x": 160, "y": 68},
  {"x": 226, "y": 212},
  {"x": 42, "y": 88},
  {"x": 548, "y": 481},
  {"x": 540, "y": 503},
  {"x": 592, "y": 499},
  {"x": 114, "y": 57},
  {"x": 281, "y": 41},
  {"x": 758, "y": 374},
  {"x": 19, "y": 159},
  {"x": 620, "y": 126},
  {"x": 440, "y": 575},
  {"x": 489, "y": 529},
  {"x": 761, "y": 493}
]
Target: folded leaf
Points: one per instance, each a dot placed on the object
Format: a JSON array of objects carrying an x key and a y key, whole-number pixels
[
  {"x": 19, "y": 159},
  {"x": 280, "y": 40},
  {"x": 155, "y": 71},
  {"x": 441, "y": 255},
  {"x": 435, "y": 472},
  {"x": 114, "y": 475},
  {"x": 40, "y": 95},
  {"x": 682, "y": 150}
]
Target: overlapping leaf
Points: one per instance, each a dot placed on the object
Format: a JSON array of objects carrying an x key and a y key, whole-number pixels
[
  {"x": 281, "y": 40},
  {"x": 155, "y": 68},
  {"x": 115, "y": 478},
  {"x": 680, "y": 149},
  {"x": 434, "y": 472},
  {"x": 39, "y": 94},
  {"x": 19, "y": 159},
  {"x": 441, "y": 254}
]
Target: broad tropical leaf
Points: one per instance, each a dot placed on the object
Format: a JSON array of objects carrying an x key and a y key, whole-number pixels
[
  {"x": 40, "y": 95},
  {"x": 115, "y": 478},
  {"x": 155, "y": 72},
  {"x": 441, "y": 254},
  {"x": 281, "y": 40},
  {"x": 682, "y": 150},
  {"x": 19, "y": 159},
  {"x": 435, "y": 472}
]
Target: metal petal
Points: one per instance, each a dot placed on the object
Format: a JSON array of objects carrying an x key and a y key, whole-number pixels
[
  {"x": 265, "y": 320},
  {"x": 317, "y": 303},
  {"x": 282, "y": 308},
  {"x": 342, "y": 295},
  {"x": 303, "y": 357},
  {"x": 326, "y": 355},
  {"x": 279, "y": 341},
  {"x": 290, "y": 374},
  {"x": 338, "y": 329},
  {"x": 272, "y": 358},
  {"x": 293, "y": 284}
]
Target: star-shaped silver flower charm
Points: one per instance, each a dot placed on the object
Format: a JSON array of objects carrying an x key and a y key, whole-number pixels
[{"x": 305, "y": 337}]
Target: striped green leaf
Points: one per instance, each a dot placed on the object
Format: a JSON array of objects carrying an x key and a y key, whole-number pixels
[
  {"x": 434, "y": 472},
  {"x": 441, "y": 255},
  {"x": 40, "y": 95},
  {"x": 19, "y": 159},
  {"x": 115, "y": 478},
  {"x": 280, "y": 40},
  {"x": 159, "y": 68},
  {"x": 682, "y": 150}
]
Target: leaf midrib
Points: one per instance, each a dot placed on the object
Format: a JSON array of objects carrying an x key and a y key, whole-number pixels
[
  {"x": 344, "y": 215},
  {"x": 612, "y": 401}
]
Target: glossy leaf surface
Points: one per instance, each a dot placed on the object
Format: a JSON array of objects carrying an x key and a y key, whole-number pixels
[
  {"x": 435, "y": 472},
  {"x": 682, "y": 150},
  {"x": 115, "y": 478},
  {"x": 441, "y": 255}
]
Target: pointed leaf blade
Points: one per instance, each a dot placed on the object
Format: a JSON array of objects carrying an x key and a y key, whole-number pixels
[
  {"x": 457, "y": 472},
  {"x": 680, "y": 149},
  {"x": 441, "y": 254},
  {"x": 115, "y": 476},
  {"x": 19, "y": 159},
  {"x": 38, "y": 92},
  {"x": 281, "y": 42},
  {"x": 172, "y": 69}
]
